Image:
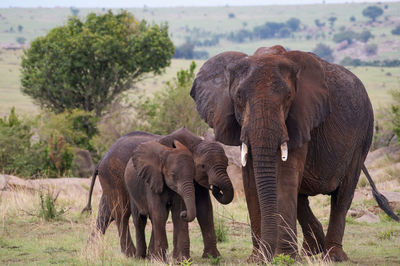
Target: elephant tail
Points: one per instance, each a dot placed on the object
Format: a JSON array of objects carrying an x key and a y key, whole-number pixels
[
  {"x": 88, "y": 207},
  {"x": 380, "y": 198}
]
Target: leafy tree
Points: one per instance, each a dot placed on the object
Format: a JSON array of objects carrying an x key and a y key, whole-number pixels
[
  {"x": 87, "y": 64},
  {"x": 231, "y": 15},
  {"x": 396, "y": 31},
  {"x": 268, "y": 30},
  {"x": 372, "y": 12},
  {"x": 324, "y": 51},
  {"x": 74, "y": 11},
  {"x": 332, "y": 21},
  {"x": 21, "y": 40},
  {"x": 20, "y": 28},
  {"x": 352, "y": 18},
  {"x": 293, "y": 24},
  {"x": 318, "y": 23}
]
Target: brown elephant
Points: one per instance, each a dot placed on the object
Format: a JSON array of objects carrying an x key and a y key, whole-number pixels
[
  {"x": 210, "y": 162},
  {"x": 305, "y": 127},
  {"x": 152, "y": 175}
]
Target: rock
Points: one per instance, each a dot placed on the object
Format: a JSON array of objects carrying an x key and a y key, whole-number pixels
[
  {"x": 392, "y": 151},
  {"x": 67, "y": 186},
  {"x": 83, "y": 165},
  {"x": 368, "y": 217},
  {"x": 3, "y": 182}
]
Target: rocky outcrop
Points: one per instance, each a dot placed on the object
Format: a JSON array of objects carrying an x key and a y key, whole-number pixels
[{"x": 66, "y": 186}]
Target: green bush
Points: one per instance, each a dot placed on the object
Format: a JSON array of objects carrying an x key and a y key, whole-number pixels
[
  {"x": 396, "y": 31},
  {"x": 77, "y": 127},
  {"x": 348, "y": 36},
  {"x": 221, "y": 230},
  {"x": 48, "y": 210},
  {"x": 172, "y": 108},
  {"x": 324, "y": 51},
  {"x": 283, "y": 259},
  {"x": 43, "y": 147},
  {"x": 17, "y": 155}
]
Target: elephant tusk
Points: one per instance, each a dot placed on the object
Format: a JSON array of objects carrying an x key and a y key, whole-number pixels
[
  {"x": 244, "y": 154},
  {"x": 284, "y": 151}
]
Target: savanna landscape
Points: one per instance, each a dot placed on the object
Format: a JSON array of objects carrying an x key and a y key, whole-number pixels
[{"x": 42, "y": 191}]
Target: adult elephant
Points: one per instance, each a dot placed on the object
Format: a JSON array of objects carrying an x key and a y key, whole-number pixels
[
  {"x": 305, "y": 127},
  {"x": 210, "y": 172}
]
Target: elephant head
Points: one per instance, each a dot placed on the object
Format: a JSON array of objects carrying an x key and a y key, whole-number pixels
[
  {"x": 160, "y": 165},
  {"x": 210, "y": 163},
  {"x": 265, "y": 102}
]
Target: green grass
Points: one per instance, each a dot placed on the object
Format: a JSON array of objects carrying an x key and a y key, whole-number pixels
[
  {"x": 376, "y": 80},
  {"x": 25, "y": 238}
]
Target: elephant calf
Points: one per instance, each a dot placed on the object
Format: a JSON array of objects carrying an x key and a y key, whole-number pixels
[{"x": 154, "y": 176}]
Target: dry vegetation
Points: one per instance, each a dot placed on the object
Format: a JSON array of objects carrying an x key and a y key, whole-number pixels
[{"x": 25, "y": 237}]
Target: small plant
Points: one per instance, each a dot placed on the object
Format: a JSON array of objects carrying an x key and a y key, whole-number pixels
[
  {"x": 186, "y": 262},
  {"x": 48, "y": 209},
  {"x": 214, "y": 261},
  {"x": 385, "y": 235},
  {"x": 221, "y": 231},
  {"x": 283, "y": 259}
]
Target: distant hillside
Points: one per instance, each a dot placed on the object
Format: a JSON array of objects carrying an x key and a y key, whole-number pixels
[{"x": 216, "y": 29}]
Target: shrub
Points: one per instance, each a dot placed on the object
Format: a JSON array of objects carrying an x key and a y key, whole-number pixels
[
  {"x": 21, "y": 40},
  {"x": 364, "y": 36},
  {"x": 283, "y": 259},
  {"x": 172, "y": 108},
  {"x": 17, "y": 155},
  {"x": 76, "y": 127},
  {"x": 345, "y": 36},
  {"x": 324, "y": 51},
  {"x": 221, "y": 231},
  {"x": 352, "y": 18},
  {"x": 371, "y": 49},
  {"x": 231, "y": 15},
  {"x": 396, "y": 31},
  {"x": 48, "y": 210},
  {"x": 214, "y": 261},
  {"x": 187, "y": 51}
]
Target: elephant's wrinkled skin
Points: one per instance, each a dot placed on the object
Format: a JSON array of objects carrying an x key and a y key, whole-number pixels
[
  {"x": 210, "y": 162},
  {"x": 277, "y": 99},
  {"x": 151, "y": 176}
]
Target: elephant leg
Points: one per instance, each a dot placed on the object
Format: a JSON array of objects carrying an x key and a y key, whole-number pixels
[
  {"x": 140, "y": 222},
  {"x": 289, "y": 178},
  {"x": 253, "y": 206},
  {"x": 205, "y": 217},
  {"x": 181, "y": 239},
  {"x": 314, "y": 238},
  {"x": 340, "y": 203},
  {"x": 122, "y": 214},
  {"x": 104, "y": 217},
  {"x": 159, "y": 235}
]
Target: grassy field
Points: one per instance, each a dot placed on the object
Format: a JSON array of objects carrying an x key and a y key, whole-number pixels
[
  {"x": 26, "y": 238},
  {"x": 183, "y": 21},
  {"x": 378, "y": 82}
]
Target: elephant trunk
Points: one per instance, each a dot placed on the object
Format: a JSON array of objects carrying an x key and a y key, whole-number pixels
[
  {"x": 264, "y": 162},
  {"x": 188, "y": 196},
  {"x": 222, "y": 187},
  {"x": 265, "y": 137}
]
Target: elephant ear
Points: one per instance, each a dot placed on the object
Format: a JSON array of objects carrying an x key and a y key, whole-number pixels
[
  {"x": 311, "y": 105},
  {"x": 210, "y": 91},
  {"x": 147, "y": 162}
]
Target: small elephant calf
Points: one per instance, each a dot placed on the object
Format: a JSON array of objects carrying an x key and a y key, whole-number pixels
[{"x": 154, "y": 176}]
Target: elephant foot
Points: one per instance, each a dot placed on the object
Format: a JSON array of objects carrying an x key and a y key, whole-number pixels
[
  {"x": 211, "y": 252},
  {"x": 336, "y": 254}
]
